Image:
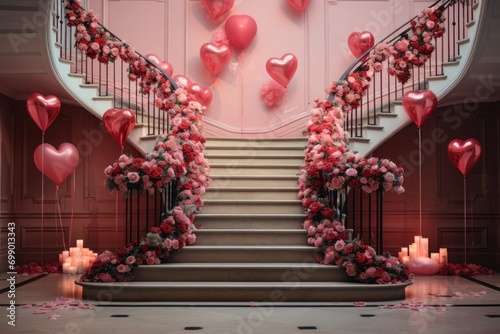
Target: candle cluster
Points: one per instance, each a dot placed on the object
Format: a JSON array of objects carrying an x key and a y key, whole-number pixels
[
  {"x": 77, "y": 259},
  {"x": 420, "y": 248}
]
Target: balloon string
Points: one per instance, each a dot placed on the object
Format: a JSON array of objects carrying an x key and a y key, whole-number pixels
[
  {"x": 59, "y": 214},
  {"x": 420, "y": 176},
  {"x": 240, "y": 72},
  {"x": 72, "y": 209},
  {"x": 465, "y": 220},
  {"x": 43, "y": 200}
]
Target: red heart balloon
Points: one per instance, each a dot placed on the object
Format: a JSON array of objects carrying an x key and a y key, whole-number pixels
[
  {"x": 360, "y": 42},
  {"x": 201, "y": 94},
  {"x": 282, "y": 69},
  {"x": 217, "y": 8},
  {"x": 182, "y": 81},
  {"x": 166, "y": 67},
  {"x": 214, "y": 57},
  {"x": 299, "y": 5},
  {"x": 419, "y": 105},
  {"x": 152, "y": 57},
  {"x": 56, "y": 164},
  {"x": 240, "y": 30},
  {"x": 43, "y": 109},
  {"x": 119, "y": 123},
  {"x": 464, "y": 154}
]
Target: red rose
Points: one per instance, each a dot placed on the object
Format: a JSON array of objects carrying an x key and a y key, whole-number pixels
[
  {"x": 327, "y": 212},
  {"x": 166, "y": 228},
  {"x": 367, "y": 172},
  {"x": 315, "y": 207},
  {"x": 354, "y": 183},
  {"x": 156, "y": 171}
]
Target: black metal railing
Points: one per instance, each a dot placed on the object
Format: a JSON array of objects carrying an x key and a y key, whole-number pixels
[
  {"x": 385, "y": 89},
  {"x": 362, "y": 212},
  {"x": 112, "y": 81}
]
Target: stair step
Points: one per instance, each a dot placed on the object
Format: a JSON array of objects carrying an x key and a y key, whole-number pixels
[
  {"x": 285, "y": 193},
  {"x": 265, "y": 181},
  {"x": 240, "y": 272},
  {"x": 254, "y": 150},
  {"x": 298, "y": 142},
  {"x": 206, "y": 236},
  {"x": 243, "y": 253},
  {"x": 252, "y": 206},
  {"x": 243, "y": 291},
  {"x": 245, "y": 221},
  {"x": 231, "y": 160},
  {"x": 235, "y": 168}
]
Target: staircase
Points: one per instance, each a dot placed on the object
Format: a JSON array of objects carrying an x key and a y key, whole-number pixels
[{"x": 250, "y": 243}]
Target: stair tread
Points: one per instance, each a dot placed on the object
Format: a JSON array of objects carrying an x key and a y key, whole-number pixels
[
  {"x": 253, "y": 201},
  {"x": 254, "y": 176},
  {"x": 255, "y": 215},
  {"x": 248, "y": 247},
  {"x": 239, "y": 265},
  {"x": 251, "y": 230},
  {"x": 252, "y": 188},
  {"x": 216, "y": 284}
]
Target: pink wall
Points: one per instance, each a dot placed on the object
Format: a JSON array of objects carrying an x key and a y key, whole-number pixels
[{"x": 317, "y": 37}]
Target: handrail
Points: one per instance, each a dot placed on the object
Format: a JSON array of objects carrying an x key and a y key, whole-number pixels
[{"x": 384, "y": 90}]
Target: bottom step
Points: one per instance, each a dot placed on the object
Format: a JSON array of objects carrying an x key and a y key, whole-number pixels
[{"x": 242, "y": 291}]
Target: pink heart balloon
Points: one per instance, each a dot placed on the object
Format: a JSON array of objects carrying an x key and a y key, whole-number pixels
[
  {"x": 43, "y": 109},
  {"x": 201, "y": 94},
  {"x": 217, "y": 8},
  {"x": 360, "y": 42},
  {"x": 56, "y": 164},
  {"x": 423, "y": 266},
  {"x": 299, "y": 5},
  {"x": 215, "y": 57},
  {"x": 119, "y": 123},
  {"x": 240, "y": 30},
  {"x": 282, "y": 69},
  {"x": 152, "y": 57},
  {"x": 166, "y": 67},
  {"x": 464, "y": 154},
  {"x": 182, "y": 81},
  {"x": 419, "y": 105}
]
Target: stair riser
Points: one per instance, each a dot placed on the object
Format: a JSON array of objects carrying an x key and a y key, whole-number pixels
[
  {"x": 252, "y": 208},
  {"x": 273, "y": 294},
  {"x": 249, "y": 170},
  {"x": 229, "y": 181},
  {"x": 250, "y": 222},
  {"x": 241, "y": 143},
  {"x": 258, "y": 160},
  {"x": 255, "y": 151},
  {"x": 222, "y": 274},
  {"x": 213, "y": 237},
  {"x": 214, "y": 193},
  {"x": 225, "y": 255}
]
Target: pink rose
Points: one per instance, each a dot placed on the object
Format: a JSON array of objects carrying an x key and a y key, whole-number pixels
[
  {"x": 130, "y": 260},
  {"x": 122, "y": 268}
]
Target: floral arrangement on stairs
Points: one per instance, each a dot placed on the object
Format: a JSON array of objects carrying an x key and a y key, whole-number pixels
[
  {"x": 179, "y": 156},
  {"x": 330, "y": 165}
]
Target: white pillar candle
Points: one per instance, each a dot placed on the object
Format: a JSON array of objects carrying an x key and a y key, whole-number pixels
[
  {"x": 406, "y": 259},
  {"x": 424, "y": 247},
  {"x": 413, "y": 251},
  {"x": 404, "y": 251},
  {"x": 435, "y": 257},
  {"x": 65, "y": 268},
  {"x": 417, "y": 245},
  {"x": 443, "y": 256},
  {"x": 79, "y": 243},
  {"x": 72, "y": 270},
  {"x": 79, "y": 266},
  {"x": 65, "y": 255}
]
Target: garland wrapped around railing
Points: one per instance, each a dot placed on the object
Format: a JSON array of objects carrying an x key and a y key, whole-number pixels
[
  {"x": 178, "y": 156},
  {"x": 330, "y": 165}
]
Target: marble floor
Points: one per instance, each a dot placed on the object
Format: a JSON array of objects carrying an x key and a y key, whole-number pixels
[{"x": 433, "y": 304}]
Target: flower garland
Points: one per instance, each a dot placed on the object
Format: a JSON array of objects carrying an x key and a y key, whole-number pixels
[
  {"x": 177, "y": 157},
  {"x": 330, "y": 165}
]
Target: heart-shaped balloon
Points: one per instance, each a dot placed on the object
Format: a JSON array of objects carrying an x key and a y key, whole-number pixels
[
  {"x": 464, "y": 154},
  {"x": 119, "y": 123},
  {"x": 419, "y": 105},
  {"x": 182, "y": 81},
  {"x": 215, "y": 57},
  {"x": 43, "y": 109},
  {"x": 201, "y": 94},
  {"x": 152, "y": 57},
  {"x": 240, "y": 30},
  {"x": 56, "y": 164},
  {"x": 166, "y": 67},
  {"x": 360, "y": 42},
  {"x": 282, "y": 69},
  {"x": 299, "y": 5},
  {"x": 217, "y": 8}
]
